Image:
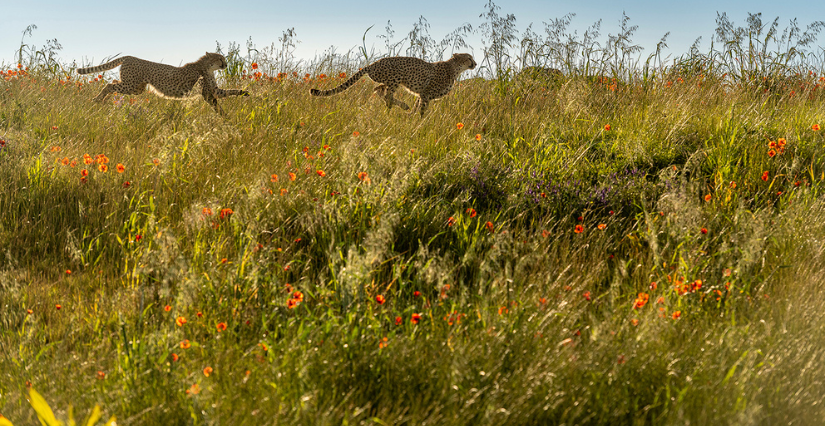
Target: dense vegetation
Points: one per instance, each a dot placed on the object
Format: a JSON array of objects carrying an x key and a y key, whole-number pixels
[{"x": 628, "y": 244}]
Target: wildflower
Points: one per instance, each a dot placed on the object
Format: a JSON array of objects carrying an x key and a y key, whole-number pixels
[
  {"x": 103, "y": 168},
  {"x": 641, "y": 300},
  {"x": 87, "y": 159},
  {"x": 101, "y": 159},
  {"x": 416, "y": 293},
  {"x": 708, "y": 197},
  {"x": 586, "y": 295},
  {"x": 120, "y": 168},
  {"x": 704, "y": 230},
  {"x": 765, "y": 176},
  {"x": 55, "y": 149},
  {"x": 601, "y": 226},
  {"x": 254, "y": 65},
  {"x": 607, "y": 127},
  {"x": 58, "y": 306},
  {"x": 180, "y": 321},
  {"x": 383, "y": 343},
  {"x": 478, "y": 136},
  {"x": 273, "y": 178},
  {"x": 193, "y": 390},
  {"x": 221, "y": 326},
  {"x": 297, "y": 295},
  {"x": 29, "y": 311},
  {"x": 502, "y": 310},
  {"x": 634, "y": 321},
  {"x": 321, "y": 173},
  {"x": 342, "y": 75},
  {"x": 398, "y": 320},
  {"x": 732, "y": 185},
  {"x": 362, "y": 175},
  {"x": 65, "y": 161},
  {"x": 676, "y": 315},
  {"x": 207, "y": 211},
  {"x": 226, "y": 213},
  {"x": 579, "y": 229},
  {"x": 207, "y": 371},
  {"x": 84, "y": 173},
  {"x": 450, "y": 221},
  {"x": 283, "y": 191},
  {"x": 415, "y": 318},
  {"x": 68, "y": 272},
  {"x": 380, "y": 299},
  {"x": 545, "y": 233},
  {"x": 490, "y": 226},
  {"x": 175, "y": 357},
  {"x": 101, "y": 375},
  {"x": 185, "y": 344},
  {"x": 291, "y": 176},
  {"x": 815, "y": 127},
  {"x": 771, "y": 153},
  {"x": 356, "y": 133},
  {"x": 167, "y": 308},
  {"x": 156, "y": 161},
  {"x": 460, "y": 126},
  {"x": 653, "y": 285},
  {"x": 471, "y": 211}
]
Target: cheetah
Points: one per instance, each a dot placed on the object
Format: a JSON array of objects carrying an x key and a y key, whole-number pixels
[
  {"x": 425, "y": 79},
  {"x": 166, "y": 81}
]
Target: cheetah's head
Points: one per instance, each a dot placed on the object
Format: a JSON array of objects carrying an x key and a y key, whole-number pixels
[
  {"x": 464, "y": 61},
  {"x": 216, "y": 61}
]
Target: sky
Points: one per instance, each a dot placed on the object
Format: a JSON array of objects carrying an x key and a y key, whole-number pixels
[{"x": 176, "y": 32}]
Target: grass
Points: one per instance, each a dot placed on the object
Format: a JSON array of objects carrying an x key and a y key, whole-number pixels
[{"x": 469, "y": 229}]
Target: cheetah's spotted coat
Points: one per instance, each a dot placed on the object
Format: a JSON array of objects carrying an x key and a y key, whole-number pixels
[
  {"x": 427, "y": 80},
  {"x": 166, "y": 80}
]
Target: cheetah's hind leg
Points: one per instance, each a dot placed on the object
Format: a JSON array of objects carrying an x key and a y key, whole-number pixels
[
  {"x": 117, "y": 86},
  {"x": 382, "y": 90}
]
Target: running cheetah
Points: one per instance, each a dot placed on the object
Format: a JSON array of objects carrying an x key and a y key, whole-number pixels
[
  {"x": 166, "y": 80},
  {"x": 426, "y": 80}
]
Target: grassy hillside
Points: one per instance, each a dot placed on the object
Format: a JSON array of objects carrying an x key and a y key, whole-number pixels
[{"x": 587, "y": 251}]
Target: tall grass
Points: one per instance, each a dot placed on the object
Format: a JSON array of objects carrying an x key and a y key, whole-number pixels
[{"x": 609, "y": 248}]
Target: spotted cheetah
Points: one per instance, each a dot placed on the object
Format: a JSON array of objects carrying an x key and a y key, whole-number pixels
[
  {"x": 166, "y": 80},
  {"x": 426, "y": 80}
]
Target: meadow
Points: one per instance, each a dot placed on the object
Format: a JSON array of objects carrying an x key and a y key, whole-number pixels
[{"x": 609, "y": 247}]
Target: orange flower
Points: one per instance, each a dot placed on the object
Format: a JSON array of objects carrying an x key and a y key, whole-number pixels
[
  {"x": 207, "y": 371},
  {"x": 194, "y": 389},
  {"x": 356, "y": 133},
  {"x": 101, "y": 159},
  {"x": 607, "y": 127},
  {"x": 254, "y": 65},
  {"x": 65, "y": 161},
  {"x": 383, "y": 343},
  {"x": 450, "y": 221},
  {"x": 471, "y": 211},
  {"x": 398, "y": 320},
  {"x": 226, "y": 213},
  {"x": 84, "y": 173},
  {"x": 545, "y": 233},
  {"x": 156, "y": 161},
  {"x": 180, "y": 321},
  {"x": 579, "y": 229},
  {"x": 101, "y": 375},
  {"x": 58, "y": 306},
  {"x": 103, "y": 168},
  {"x": 175, "y": 357},
  {"x": 221, "y": 326},
  {"x": 641, "y": 300},
  {"x": 676, "y": 315},
  {"x": 601, "y": 226},
  {"x": 478, "y": 136},
  {"x": 732, "y": 185},
  {"x": 708, "y": 197},
  {"x": 185, "y": 344},
  {"x": 68, "y": 272},
  {"x": 815, "y": 127},
  {"x": 765, "y": 176},
  {"x": 503, "y": 310},
  {"x": 342, "y": 75},
  {"x": 415, "y": 318},
  {"x": 634, "y": 321},
  {"x": 490, "y": 226},
  {"x": 297, "y": 295},
  {"x": 273, "y": 178},
  {"x": 704, "y": 230},
  {"x": 207, "y": 211},
  {"x": 283, "y": 191},
  {"x": 380, "y": 299},
  {"x": 167, "y": 308},
  {"x": 55, "y": 149},
  {"x": 771, "y": 153},
  {"x": 460, "y": 126},
  {"x": 586, "y": 295},
  {"x": 120, "y": 168},
  {"x": 291, "y": 176},
  {"x": 87, "y": 159},
  {"x": 320, "y": 173}
]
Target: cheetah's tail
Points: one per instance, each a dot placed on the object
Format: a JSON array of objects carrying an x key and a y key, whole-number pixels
[
  {"x": 104, "y": 67},
  {"x": 344, "y": 86}
]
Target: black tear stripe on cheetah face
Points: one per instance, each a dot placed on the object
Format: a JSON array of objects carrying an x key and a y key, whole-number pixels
[
  {"x": 136, "y": 75},
  {"x": 426, "y": 80}
]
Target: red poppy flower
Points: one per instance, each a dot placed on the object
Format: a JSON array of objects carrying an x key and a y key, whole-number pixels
[
  {"x": 380, "y": 299},
  {"x": 415, "y": 318},
  {"x": 579, "y": 229}
]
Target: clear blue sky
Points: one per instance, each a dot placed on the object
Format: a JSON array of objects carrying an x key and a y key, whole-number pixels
[{"x": 175, "y": 32}]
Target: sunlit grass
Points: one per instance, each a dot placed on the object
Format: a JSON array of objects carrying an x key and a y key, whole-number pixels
[{"x": 321, "y": 261}]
